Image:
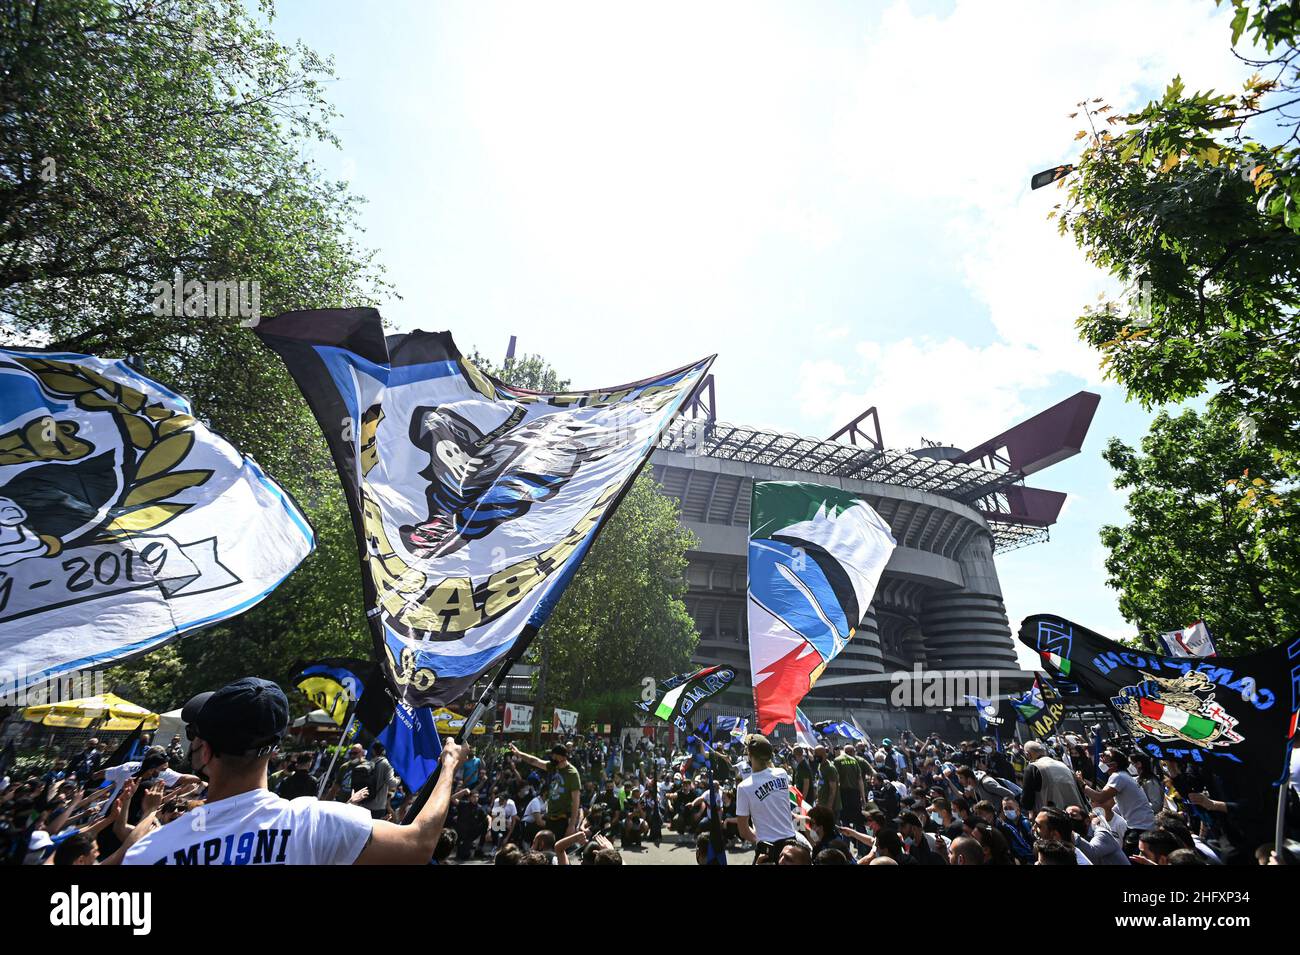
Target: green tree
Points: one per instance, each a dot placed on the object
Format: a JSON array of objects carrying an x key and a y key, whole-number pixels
[
  {"x": 529, "y": 371},
  {"x": 622, "y": 617},
  {"x": 1208, "y": 537},
  {"x": 162, "y": 141},
  {"x": 1194, "y": 203}
]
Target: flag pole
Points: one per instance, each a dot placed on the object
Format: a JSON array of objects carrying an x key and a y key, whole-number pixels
[
  {"x": 324, "y": 780},
  {"x": 1279, "y": 826},
  {"x": 485, "y": 702},
  {"x": 1279, "y": 829}
]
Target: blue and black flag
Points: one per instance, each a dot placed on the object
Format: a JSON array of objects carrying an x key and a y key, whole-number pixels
[
  {"x": 1234, "y": 717},
  {"x": 473, "y": 501},
  {"x": 339, "y": 685}
]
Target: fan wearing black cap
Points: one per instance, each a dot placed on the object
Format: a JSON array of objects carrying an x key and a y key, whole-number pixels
[{"x": 232, "y": 732}]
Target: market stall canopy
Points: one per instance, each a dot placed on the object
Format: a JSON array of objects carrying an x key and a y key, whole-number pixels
[
  {"x": 449, "y": 722},
  {"x": 314, "y": 718},
  {"x": 116, "y": 714},
  {"x": 169, "y": 724}
]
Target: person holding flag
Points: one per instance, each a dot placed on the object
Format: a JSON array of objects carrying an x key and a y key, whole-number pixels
[
  {"x": 232, "y": 733},
  {"x": 763, "y": 809}
]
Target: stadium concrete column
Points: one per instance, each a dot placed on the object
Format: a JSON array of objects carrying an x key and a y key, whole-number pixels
[{"x": 967, "y": 628}]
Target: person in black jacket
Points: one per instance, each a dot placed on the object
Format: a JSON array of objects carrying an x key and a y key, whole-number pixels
[
  {"x": 915, "y": 842},
  {"x": 300, "y": 782}
]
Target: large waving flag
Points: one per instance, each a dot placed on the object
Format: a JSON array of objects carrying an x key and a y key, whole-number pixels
[
  {"x": 816, "y": 554},
  {"x": 413, "y": 744},
  {"x": 339, "y": 685},
  {"x": 733, "y": 726},
  {"x": 474, "y": 502},
  {"x": 841, "y": 728},
  {"x": 1234, "y": 715},
  {"x": 124, "y": 521}
]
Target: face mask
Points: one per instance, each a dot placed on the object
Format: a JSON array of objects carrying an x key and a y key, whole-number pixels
[
  {"x": 909, "y": 842},
  {"x": 1133, "y": 769},
  {"x": 1012, "y": 815},
  {"x": 200, "y": 771},
  {"x": 938, "y": 819}
]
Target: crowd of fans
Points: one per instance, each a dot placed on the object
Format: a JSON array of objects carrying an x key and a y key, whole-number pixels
[
  {"x": 589, "y": 800},
  {"x": 914, "y": 801}
]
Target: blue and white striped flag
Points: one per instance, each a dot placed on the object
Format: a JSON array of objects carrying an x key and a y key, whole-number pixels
[{"x": 841, "y": 728}]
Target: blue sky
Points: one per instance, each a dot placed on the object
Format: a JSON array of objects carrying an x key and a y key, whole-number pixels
[{"x": 831, "y": 196}]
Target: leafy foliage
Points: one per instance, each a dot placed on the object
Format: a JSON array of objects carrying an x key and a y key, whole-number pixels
[
  {"x": 1209, "y": 537},
  {"x": 161, "y": 141},
  {"x": 1194, "y": 203}
]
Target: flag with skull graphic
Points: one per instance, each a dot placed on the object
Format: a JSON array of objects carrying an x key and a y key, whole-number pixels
[{"x": 473, "y": 501}]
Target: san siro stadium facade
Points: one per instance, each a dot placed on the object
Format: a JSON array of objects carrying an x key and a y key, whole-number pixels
[{"x": 939, "y": 605}]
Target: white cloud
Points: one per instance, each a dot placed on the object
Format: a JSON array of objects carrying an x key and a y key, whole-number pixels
[
  {"x": 942, "y": 390},
  {"x": 648, "y": 148},
  {"x": 952, "y": 115}
]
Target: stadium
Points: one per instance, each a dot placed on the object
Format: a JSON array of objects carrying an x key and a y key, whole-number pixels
[{"x": 939, "y": 607}]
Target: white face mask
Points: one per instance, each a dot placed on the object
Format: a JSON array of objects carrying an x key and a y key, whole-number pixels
[{"x": 1133, "y": 769}]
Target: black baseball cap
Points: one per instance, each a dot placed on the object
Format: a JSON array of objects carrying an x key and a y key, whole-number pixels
[
  {"x": 244, "y": 718},
  {"x": 152, "y": 761}
]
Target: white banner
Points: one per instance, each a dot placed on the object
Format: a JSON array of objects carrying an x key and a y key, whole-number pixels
[
  {"x": 517, "y": 718},
  {"x": 124, "y": 522},
  {"x": 566, "y": 721},
  {"x": 1193, "y": 641}
]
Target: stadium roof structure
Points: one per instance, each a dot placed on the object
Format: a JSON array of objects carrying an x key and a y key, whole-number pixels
[{"x": 989, "y": 478}]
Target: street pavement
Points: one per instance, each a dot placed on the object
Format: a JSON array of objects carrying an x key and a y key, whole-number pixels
[{"x": 674, "y": 850}]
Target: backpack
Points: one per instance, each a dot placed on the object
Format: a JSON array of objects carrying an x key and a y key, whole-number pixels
[{"x": 363, "y": 774}]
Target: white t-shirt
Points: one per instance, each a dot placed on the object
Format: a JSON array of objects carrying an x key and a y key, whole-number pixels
[
  {"x": 534, "y": 808},
  {"x": 1131, "y": 801},
  {"x": 765, "y": 798},
  {"x": 502, "y": 814},
  {"x": 119, "y": 774},
  {"x": 258, "y": 828}
]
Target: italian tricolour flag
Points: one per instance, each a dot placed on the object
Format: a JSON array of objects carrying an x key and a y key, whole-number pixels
[
  {"x": 1197, "y": 727},
  {"x": 1061, "y": 664}
]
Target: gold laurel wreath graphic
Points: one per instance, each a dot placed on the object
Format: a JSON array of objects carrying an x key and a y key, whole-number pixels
[{"x": 159, "y": 441}]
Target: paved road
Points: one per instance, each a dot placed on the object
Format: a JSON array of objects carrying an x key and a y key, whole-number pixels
[{"x": 675, "y": 850}]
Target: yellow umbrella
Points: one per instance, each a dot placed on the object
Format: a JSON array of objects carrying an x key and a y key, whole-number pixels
[
  {"x": 450, "y": 722},
  {"x": 116, "y": 713}
]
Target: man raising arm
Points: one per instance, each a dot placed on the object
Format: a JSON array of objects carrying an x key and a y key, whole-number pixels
[
  {"x": 232, "y": 733},
  {"x": 563, "y": 792}
]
